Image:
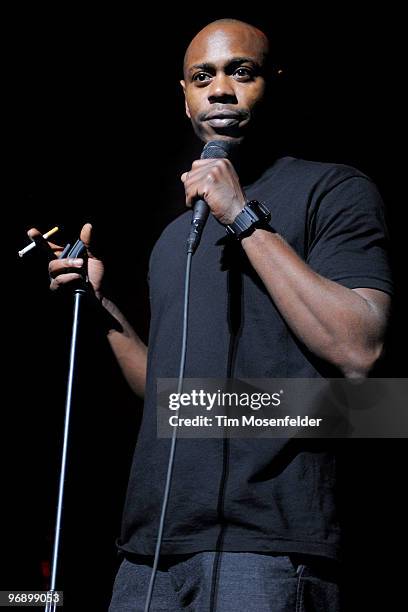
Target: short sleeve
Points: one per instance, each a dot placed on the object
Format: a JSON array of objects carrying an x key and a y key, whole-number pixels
[{"x": 348, "y": 238}]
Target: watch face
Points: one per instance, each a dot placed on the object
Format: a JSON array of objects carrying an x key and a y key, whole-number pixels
[{"x": 259, "y": 209}]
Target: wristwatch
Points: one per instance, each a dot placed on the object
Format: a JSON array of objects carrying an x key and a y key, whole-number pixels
[{"x": 253, "y": 215}]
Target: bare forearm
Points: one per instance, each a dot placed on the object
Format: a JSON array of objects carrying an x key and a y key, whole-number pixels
[
  {"x": 333, "y": 321},
  {"x": 128, "y": 348}
]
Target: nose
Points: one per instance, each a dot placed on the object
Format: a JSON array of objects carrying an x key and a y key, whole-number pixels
[{"x": 222, "y": 90}]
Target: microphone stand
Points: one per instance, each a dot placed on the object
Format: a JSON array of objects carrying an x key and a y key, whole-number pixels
[{"x": 52, "y": 594}]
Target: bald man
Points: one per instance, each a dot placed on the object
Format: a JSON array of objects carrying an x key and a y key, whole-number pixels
[{"x": 291, "y": 280}]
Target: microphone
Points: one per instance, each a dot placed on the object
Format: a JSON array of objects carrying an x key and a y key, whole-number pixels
[{"x": 215, "y": 149}]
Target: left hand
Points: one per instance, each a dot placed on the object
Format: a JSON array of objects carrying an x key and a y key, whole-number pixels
[{"x": 216, "y": 182}]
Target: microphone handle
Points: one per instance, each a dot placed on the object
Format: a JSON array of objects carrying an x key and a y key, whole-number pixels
[
  {"x": 201, "y": 211},
  {"x": 212, "y": 150}
]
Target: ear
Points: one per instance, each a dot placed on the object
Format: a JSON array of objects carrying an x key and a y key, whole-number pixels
[{"x": 183, "y": 85}]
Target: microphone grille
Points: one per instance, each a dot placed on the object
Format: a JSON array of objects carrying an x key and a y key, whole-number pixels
[{"x": 217, "y": 149}]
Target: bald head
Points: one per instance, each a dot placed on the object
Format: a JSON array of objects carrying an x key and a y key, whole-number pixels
[
  {"x": 225, "y": 79},
  {"x": 215, "y": 31}
]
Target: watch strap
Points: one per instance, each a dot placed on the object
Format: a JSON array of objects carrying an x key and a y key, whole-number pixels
[{"x": 253, "y": 215}]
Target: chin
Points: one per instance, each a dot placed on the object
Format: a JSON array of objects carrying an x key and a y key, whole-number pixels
[
  {"x": 228, "y": 135},
  {"x": 209, "y": 138}
]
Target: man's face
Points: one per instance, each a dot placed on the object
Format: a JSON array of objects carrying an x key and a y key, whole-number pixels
[{"x": 223, "y": 80}]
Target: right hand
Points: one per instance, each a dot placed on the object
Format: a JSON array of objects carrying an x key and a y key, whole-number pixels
[{"x": 63, "y": 271}]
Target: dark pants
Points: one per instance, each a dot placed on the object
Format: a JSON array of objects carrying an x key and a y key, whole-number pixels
[{"x": 228, "y": 582}]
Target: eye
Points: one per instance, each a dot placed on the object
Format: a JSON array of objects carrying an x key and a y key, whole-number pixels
[
  {"x": 244, "y": 74},
  {"x": 201, "y": 77}
]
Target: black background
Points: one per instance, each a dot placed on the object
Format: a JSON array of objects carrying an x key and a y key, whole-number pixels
[{"x": 95, "y": 130}]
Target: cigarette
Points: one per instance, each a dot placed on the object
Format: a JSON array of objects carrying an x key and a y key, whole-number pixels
[{"x": 33, "y": 244}]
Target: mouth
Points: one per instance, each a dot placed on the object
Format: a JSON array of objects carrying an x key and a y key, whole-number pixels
[
  {"x": 223, "y": 122},
  {"x": 223, "y": 119}
]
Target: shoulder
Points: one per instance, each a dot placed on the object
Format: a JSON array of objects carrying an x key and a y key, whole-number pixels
[
  {"x": 325, "y": 185},
  {"x": 307, "y": 173}
]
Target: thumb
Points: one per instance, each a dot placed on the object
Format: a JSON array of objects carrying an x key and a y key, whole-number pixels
[{"x": 86, "y": 235}]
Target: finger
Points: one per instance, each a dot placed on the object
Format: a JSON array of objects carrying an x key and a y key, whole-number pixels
[
  {"x": 63, "y": 266},
  {"x": 200, "y": 163},
  {"x": 64, "y": 279},
  {"x": 89, "y": 237},
  {"x": 86, "y": 235},
  {"x": 198, "y": 174},
  {"x": 192, "y": 187},
  {"x": 192, "y": 195},
  {"x": 51, "y": 248},
  {"x": 34, "y": 233}
]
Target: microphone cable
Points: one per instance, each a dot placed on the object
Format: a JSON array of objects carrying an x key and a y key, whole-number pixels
[
  {"x": 173, "y": 437},
  {"x": 216, "y": 149}
]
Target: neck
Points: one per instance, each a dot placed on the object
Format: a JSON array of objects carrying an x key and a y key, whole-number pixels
[{"x": 252, "y": 157}]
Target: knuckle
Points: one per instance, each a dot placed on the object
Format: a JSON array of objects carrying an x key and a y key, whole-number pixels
[{"x": 51, "y": 269}]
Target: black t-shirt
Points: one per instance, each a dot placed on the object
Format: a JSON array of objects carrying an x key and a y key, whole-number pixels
[{"x": 266, "y": 495}]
